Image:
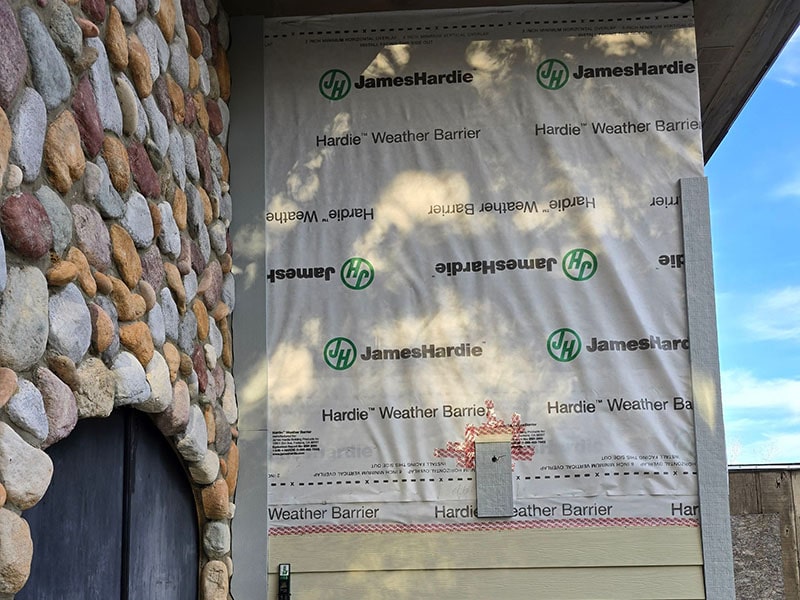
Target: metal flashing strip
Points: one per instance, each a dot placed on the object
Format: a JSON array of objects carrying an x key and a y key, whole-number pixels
[{"x": 712, "y": 470}]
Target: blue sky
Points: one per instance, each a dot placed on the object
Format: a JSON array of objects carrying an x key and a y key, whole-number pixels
[{"x": 754, "y": 180}]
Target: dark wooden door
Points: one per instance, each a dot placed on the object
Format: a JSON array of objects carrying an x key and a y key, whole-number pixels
[{"x": 119, "y": 519}]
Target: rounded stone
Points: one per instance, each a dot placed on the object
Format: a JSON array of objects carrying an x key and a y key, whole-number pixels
[
  {"x": 26, "y": 225},
  {"x": 190, "y": 156},
  {"x": 85, "y": 279},
  {"x": 65, "y": 31},
  {"x": 88, "y": 29},
  {"x": 60, "y": 218},
  {"x": 24, "y": 470},
  {"x": 23, "y": 318},
  {"x": 63, "y": 154},
  {"x": 155, "y": 321},
  {"x": 215, "y": 337},
  {"x": 92, "y": 236},
  {"x": 216, "y": 501},
  {"x": 61, "y": 273},
  {"x": 154, "y": 43},
  {"x": 139, "y": 63},
  {"x": 128, "y": 105},
  {"x": 116, "y": 157},
  {"x": 206, "y": 470},
  {"x": 127, "y": 9},
  {"x": 102, "y": 328},
  {"x": 105, "y": 95},
  {"x": 125, "y": 256},
  {"x": 159, "y": 130},
  {"x": 229, "y": 407},
  {"x": 187, "y": 331},
  {"x": 116, "y": 40},
  {"x": 70, "y": 323},
  {"x": 16, "y": 552},
  {"x": 8, "y": 385},
  {"x": 169, "y": 239},
  {"x": 211, "y": 284},
  {"x": 190, "y": 285},
  {"x": 49, "y": 71},
  {"x": 59, "y": 405},
  {"x": 214, "y": 580},
  {"x": 160, "y": 385},
  {"x": 193, "y": 441},
  {"x": 137, "y": 338},
  {"x": 87, "y": 117},
  {"x": 65, "y": 370},
  {"x": 143, "y": 172},
  {"x": 153, "y": 267},
  {"x": 217, "y": 539},
  {"x": 175, "y": 418},
  {"x": 222, "y": 436},
  {"x": 171, "y": 314},
  {"x": 106, "y": 198},
  {"x": 26, "y": 411},
  {"x": 29, "y": 124},
  {"x": 166, "y": 18},
  {"x": 177, "y": 157},
  {"x": 131, "y": 381},
  {"x": 13, "y": 56},
  {"x": 96, "y": 389}
]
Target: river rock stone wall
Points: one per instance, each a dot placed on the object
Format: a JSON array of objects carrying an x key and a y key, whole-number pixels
[{"x": 115, "y": 258}]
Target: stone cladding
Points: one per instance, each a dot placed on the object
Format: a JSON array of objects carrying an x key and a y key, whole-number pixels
[{"x": 115, "y": 260}]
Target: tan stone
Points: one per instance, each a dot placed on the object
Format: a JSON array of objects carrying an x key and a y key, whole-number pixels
[
  {"x": 8, "y": 385},
  {"x": 123, "y": 250},
  {"x": 166, "y": 19},
  {"x": 155, "y": 216},
  {"x": 173, "y": 358},
  {"x": 3, "y": 495},
  {"x": 147, "y": 292},
  {"x": 88, "y": 29},
  {"x": 216, "y": 501},
  {"x": 116, "y": 42},
  {"x": 104, "y": 284},
  {"x": 227, "y": 343},
  {"x": 226, "y": 263},
  {"x": 175, "y": 283},
  {"x": 62, "y": 273},
  {"x": 226, "y": 165},
  {"x": 208, "y": 211},
  {"x": 139, "y": 62},
  {"x": 65, "y": 370},
  {"x": 195, "y": 43},
  {"x": 194, "y": 73},
  {"x": 211, "y": 424},
  {"x": 223, "y": 467},
  {"x": 223, "y": 74},
  {"x": 232, "y": 476},
  {"x": 5, "y": 144},
  {"x": 16, "y": 553},
  {"x": 63, "y": 154},
  {"x": 187, "y": 366},
  {"x": 176, "y": 97},
  {"x": 202, "y": 112},
  {"x": 130, "y": 306},
  {"x": 136, "y": 337},
  {"x": 116, "y": 157},
  {"x": 85, "y": 61},
  {"x": 102, "y": 329},
  {"x": 201, "y": 312},
  {"x": 214, "y": 581},
  {"x": 85, "y": 279},
  {"x": 220, "y": 311},
  {"x": 180, "y": 208}
]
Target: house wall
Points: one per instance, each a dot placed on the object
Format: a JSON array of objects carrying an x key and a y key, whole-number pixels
[{"x": 116, "y": 281}]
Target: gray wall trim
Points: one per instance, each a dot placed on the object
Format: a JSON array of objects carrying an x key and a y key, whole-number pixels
[
  {"x": 712, "y": 471},
  {"x": 246, "y": 150}
]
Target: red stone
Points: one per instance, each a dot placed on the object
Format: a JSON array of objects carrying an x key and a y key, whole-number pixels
[
  {"x": 13, "y": 56},
  {"x": 86, "y": 116},
  {"x": 95, "y": 10},
  {"x": 190, "y": 111},
  {"x": 161, "y": 94},
  {"x": 26, "y": 226},
  {"x": 204, "y": 160},
  {"x": 199, "y": 363},
  {"x": 214, "y": 117},
  {"x": 143, "y": 172}
]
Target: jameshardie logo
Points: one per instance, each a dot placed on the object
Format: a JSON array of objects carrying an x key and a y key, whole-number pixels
[
  {"x": 552, "y": 74},
  {"x": 340, "y": 353},
  {"x": 579, "y": 264},
  {"x": 334, "y": 84},
  {"x": 564, "y": 345},
  {"x": 357, "y": 273}
]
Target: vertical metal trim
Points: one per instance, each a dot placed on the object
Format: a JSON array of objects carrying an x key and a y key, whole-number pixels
[{"x": 712, "y": 467}]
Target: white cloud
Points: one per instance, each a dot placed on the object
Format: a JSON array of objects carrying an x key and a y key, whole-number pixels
[
  {"x": 762, "y": 418},
  {"x": 775, "y": 315},
  {"x": 787, "y": 67}
]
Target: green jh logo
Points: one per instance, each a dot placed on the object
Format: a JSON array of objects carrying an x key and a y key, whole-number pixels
[
  {"x": 340, "y": 353},
  {"x": 564, "y": 345},
  {"x": 552, "y": 74},
  {"x": 334, "y": 84}
]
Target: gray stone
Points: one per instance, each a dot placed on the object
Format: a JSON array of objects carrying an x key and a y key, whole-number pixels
[
  {"x": 179, "y": 63},
  {"x": 70, "y": 323},
  {"x": 226, "y": 208},
  {"x": 193, "y": 384},
  {"x": 177, "y": 157},
  {"x": 217, "y": 539},
  {"x": 175, "y": 418},
  {"x": 138, "y": 221},
  {"x": 159, "y": 130},
  {"x": 205, "y": 79},
  {"x": 210, "y": 354},
  {"x": 229, "y": 407},
  {"x": 190, "y": 285},
  {"x": 127, "y": 10},
  {"x": 194, "y": 210},
  {"x": 187, "y": 332},
  {"x": 155, "y": 321},
  {"x": 59, "y": 405},
  {"x": 223, "y": 438},
  {"x": 208, "y": 47},
  {"x": 92, "y": 236},
  {"x": 127, "y": 103},
  {"x": 215, "y": 337},
  {"x": 180, "y": 24},
  {"x": 171, "y": 316},
  {"x": 104, "y": 93},
  {"x": 217, "y": 233},
  {"x": 131, "y": 382},
  {"x": 169, "y": 239},
  {"x": 108, "y": 306},
  {"x": 206, "y": 470},
  {"x": 29, "y": 125},
  {"x": 213, "y": 7},
  {"x": 143, "y": 128},
  {"x": 49, "y": 71},
  {"x": 96, "y": 389},
  {"x": 226, "y": 121},
  {"x": 216, "y": 162},
  {"x": 14, "y": 177},
  {"x": 229, "y": 291},
  {"x": 107, "y": 199},
  {"x": 66, "y": 32},
  {"x": 60, "y": 218},
  {"x": 25, "y": 471},
  {"x": 156, "y": 46},
  {"x": 160, "y": 385},
  {"x": 204, "y": 242},
  {"x": 92, "y": 178},
  {"x": 190, "y": 156},
  {"x": 154, "y": 6},
  {"x": 3, "y": 267},
  {"x": 216, "y": 187},
  {"x": 12, "y": 56},
  {"x": 23, "y": 318},
  {"x": 193, "y": 442},
  {"x": 26, "y": 411},
  {"x": 202, "y": 11}
]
